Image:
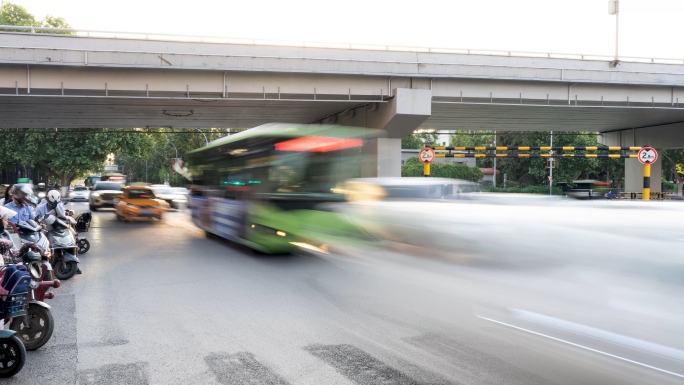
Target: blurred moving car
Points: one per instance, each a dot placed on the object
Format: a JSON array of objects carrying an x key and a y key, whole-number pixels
[
  {"x": 407, "y": 188},
  {"x": 79, "y": 193},
  {"x": 414, "y": 211},
  {"x": 139, "y": 202},
  {"x": 180, "y": 190},
  {"x": 103, "y": 194},
  {"x": 172, "y": 195},
  {"x": 40, "y": 191}
]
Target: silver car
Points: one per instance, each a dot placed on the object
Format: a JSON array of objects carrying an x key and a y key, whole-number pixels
[
  {"x": 174, "y": 197},
  {"x": 79, "y": 194},
  {"x": 104, "y": 194}
]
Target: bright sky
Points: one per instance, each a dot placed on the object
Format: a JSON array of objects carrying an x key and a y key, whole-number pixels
[{"x": 648, "y": 28}]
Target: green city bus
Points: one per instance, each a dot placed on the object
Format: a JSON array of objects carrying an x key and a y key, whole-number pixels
[{"x": 272, "y": 187}]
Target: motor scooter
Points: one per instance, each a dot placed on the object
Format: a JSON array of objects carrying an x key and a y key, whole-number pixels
[
  {"x": 36, "y": 328},
  {"x": 81, "y": 226},
  {"x": 63, "y": 247},
  {"x": 13, "y": 294},
  {"x": 15, "y": 284}
]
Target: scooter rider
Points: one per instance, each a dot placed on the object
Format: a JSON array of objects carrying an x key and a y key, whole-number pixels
[
  {"x": 52, "y": 204},
  {"x": 7, "y": 248},
  {"x": 22, "y": 199}
]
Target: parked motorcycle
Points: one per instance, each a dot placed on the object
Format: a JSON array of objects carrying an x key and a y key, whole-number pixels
[
  {"x": 62, "y": 246},
  {"x": 36, "y": 328},
  {"x": 13, "y": 294},
  {"x": 15, "y": 284},
  {"x": 82, "y": 225}
]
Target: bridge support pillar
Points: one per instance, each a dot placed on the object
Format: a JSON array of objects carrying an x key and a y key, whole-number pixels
[
  {"x": 404, "y": 112},
  {"x": 661, "y": 137},
  {"x": 380, "y": 158},
  {"x": 634, "y": 175}
]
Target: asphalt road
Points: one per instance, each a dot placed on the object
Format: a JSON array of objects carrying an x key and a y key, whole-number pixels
[{"x": 159, "y": 303}]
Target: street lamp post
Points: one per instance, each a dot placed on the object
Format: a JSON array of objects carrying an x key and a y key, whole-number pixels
[
  {"x": 205, "y": 137},
  {"x": 175, "y": 160}
]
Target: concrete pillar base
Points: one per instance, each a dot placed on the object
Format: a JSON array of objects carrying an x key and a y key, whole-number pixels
[
  {"x": 634, "y": 176},
  {"x": 380, "y": 158}
]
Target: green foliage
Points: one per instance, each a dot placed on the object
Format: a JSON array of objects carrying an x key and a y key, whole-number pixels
[
  {"x": 473, "y": 138},
  {"x": 418, "y": 141},
  {"x": 64, "y": 154},
  {"x": 12, "y": 14},
  {"x": 153, "y": 160},
  {"x": 413, "y": 168},
  {"x": 455, "y": 171},
  {"x": 673, "y": 164},
  {"x": 667, "y": 186},
  {"x": 523, "y": 190},
  {"x": 528, "y": 171}
]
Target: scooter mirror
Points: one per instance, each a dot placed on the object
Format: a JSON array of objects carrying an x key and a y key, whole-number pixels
[{"x": 35, "y": 270}]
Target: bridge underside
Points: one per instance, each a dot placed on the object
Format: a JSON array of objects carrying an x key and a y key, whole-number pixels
[
  {"x": 39, "y": 111},
  {"x": 126, "y": 112}
]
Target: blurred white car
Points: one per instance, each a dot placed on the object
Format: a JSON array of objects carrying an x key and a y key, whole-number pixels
[
  {"x": 172, "y": 195},
  {"x": 180, "y": 190},
  {"x": 79, "y": 193}
]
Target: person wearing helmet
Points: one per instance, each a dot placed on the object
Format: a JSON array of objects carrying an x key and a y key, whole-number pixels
[
  {"x": 8, "y": 250},
  {"x": 5, "y": 215},
  {"x": 52, "y": 203},
  {"x": 22, "y": 199}
]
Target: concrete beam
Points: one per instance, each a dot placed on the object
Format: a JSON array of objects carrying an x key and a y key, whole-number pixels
[
  {"x": 667, "y": 136},
  {"x": 406, "y": 110}
]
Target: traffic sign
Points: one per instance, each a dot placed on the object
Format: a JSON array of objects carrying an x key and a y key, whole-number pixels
[
  {"x": 426, "y": 155},
  {"x": 647, "y": 155}
]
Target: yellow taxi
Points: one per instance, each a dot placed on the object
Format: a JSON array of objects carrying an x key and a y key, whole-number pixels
[{"x": 139, "y": 202}]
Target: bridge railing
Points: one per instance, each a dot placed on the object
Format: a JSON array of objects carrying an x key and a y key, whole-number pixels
[{"x": 288, "y": 43}]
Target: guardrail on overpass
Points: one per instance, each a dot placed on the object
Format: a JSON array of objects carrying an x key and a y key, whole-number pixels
[{"x": 288, "y": 43}]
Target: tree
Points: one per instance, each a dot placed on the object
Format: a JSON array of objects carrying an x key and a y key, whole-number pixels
[
  {"x": 534, "y": 171},
  {"x": 414, "y": 168},
  {"x": 66, "y": 153},
  {"x": 151, "y": 164},
  {"x": 472, "y": 139},
  {"x": 673, "y": 165},
  {"x": 12, "y": 14},
  {"x": 418, "y": 141}
]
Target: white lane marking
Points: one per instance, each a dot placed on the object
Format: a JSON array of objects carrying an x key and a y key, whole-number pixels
[
  {"x": 584, "y": 347},
  {"x": 619, "y": 339}
]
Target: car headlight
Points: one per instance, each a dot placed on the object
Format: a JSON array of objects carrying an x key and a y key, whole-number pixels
[
  {"x": 95, "y": 195},
  {"x": 41, "y": 195}
]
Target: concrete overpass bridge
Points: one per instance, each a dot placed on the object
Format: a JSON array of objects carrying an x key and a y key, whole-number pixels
[{"x": 135, "y": 80}]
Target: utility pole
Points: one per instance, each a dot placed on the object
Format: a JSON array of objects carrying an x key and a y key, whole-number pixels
[
  {"x": 494, "y": 159},
  {"x": 551, "y": 162},
  {"x": 176, "y": 160},
  {"x": 614, "y": 9}
]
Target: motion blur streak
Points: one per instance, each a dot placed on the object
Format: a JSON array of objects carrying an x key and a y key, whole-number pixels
[
  {"x": 600, "y": 334},
  {"x": 583, "y": 347}
]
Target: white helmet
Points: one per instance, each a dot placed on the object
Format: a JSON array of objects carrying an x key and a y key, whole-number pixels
[{"x": 54, "y": 196}]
